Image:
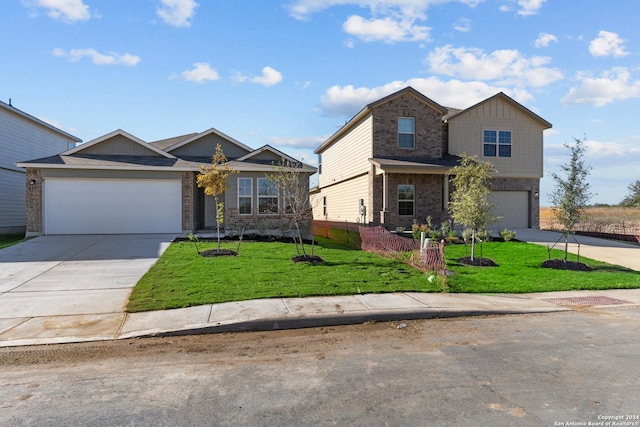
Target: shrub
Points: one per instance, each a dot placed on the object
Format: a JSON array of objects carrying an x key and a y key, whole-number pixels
[
  {"x": 417, "y": 229},
  {"x": 507, "y": 234}
]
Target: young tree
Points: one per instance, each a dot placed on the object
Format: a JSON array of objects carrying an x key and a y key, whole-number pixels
[
  {"x": 469, "y": 204},
  {"x": 633, "y": 199},
  {"x": 293, "y": 186},
  {"x": 571, "y": 194},
  {"x": 213, "y": 178}
]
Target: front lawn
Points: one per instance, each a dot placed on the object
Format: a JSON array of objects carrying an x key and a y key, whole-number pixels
[
  {"x": 10, "y": 239},
  {"x": 519, "y": 271},
  {"x": 182, "y": 278}
]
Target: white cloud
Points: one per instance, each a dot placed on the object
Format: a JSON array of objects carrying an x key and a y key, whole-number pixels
[
  {"x": 343, "y": 101},
  {"x": 613, "y": 85},
  {"x": 69, "y": 11},
  {"x": 390, "y": 21},
  {"x": 386, "y": 29},
  {"x": 607, "y": 44},
  {"x": 200, "y": 73},
  {"x": 529, "y": 7},
  {"x": 269, "y": 77},
  {"x": 505, "y": 66},
  {"x": 177, "y": 12},
  {"x": 463, "y": 25},
  {"x": 112, "y": 58},
  {"x": 544, "y": 40}
]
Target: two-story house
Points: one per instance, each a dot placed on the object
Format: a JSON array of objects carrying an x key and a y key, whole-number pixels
[
  {"x": 23, "y": 136},
  {"x": 119, "y": 184},
  {"x": 389, "y": 164}
]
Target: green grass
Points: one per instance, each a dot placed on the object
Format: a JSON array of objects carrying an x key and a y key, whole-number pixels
[
  {"x": 10, "y": 239},
  {"x": 519, "y": 271},
  {"x": 182, "y": 278}
]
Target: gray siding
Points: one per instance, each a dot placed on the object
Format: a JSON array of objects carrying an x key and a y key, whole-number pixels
[
  {"x": 206, "y": 147},
  {"x": 13, "y": 200},
  {"x": 119, "y": 145}
]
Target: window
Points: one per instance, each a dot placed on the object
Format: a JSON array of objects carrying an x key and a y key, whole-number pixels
[
  {"x": 245, "y": 196},
  {"x": 267, "y": 197},
  {"x": 406, "y": 132},
  {"x": 319, "y": 164},
  {"x": 71, "y": 145},
  {"x": 406, "y": 198},
  {"x": 324, "y": 205},
  {"x": 497, "y": 142}
]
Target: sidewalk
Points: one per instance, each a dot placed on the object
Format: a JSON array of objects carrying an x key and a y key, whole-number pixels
[
  {"x": 274, "y": 314},
  {"x": 50, "y": 310}
]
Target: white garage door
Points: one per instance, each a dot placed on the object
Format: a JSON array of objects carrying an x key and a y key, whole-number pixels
[
  {"x": 513, "y": 207},
  {"x": 112, "y": 206}
]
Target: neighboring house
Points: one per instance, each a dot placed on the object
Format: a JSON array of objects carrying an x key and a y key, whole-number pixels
[
  {"x": 388, "y": 165},
  {"x": 22, "y": 136},
  {"x": 119, "y": 184}
]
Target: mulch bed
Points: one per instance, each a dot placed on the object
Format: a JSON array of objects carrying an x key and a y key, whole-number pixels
[
  {"x": 559, "y": 264},
  {"x": 215, "y": 252},
  {"x": 312, "y": 259},
  {"x": 477, "y": 262}
]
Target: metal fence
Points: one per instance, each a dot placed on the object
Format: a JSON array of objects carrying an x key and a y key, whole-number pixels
[{"x": 625, "y": 231}]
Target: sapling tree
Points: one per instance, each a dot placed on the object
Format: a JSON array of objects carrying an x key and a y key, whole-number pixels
[
  {"x": 633, "y": 198},
  {"x": 470, "y": 204},
  {"x": 213, "y": 179},
  {"x": 293, "y": 187},
  {"x": 571, "y": 193}
]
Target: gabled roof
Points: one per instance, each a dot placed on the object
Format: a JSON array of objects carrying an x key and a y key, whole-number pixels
[
  {"x": 506, "y": 98},
  {"x": 215, "y": 131},
  {"x": 268, "y": 148},
  {"x": 369, "y": 107},
  {"x": 21, "y": 113},
  {"x": 168, "y": 142},
  {"x": 110, "y": 135}
]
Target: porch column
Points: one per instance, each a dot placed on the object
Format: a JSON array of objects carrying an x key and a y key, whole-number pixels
[
  {"x": 445, "y": 193},
  {"x": 385, "y": 199}
]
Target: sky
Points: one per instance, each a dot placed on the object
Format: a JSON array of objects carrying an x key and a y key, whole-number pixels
[{"x": 290, "y": 73}]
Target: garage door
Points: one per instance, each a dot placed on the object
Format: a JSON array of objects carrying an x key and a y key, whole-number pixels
[
  {"x": 112, "y": 206},
  {"x": 513, "y": 207}
]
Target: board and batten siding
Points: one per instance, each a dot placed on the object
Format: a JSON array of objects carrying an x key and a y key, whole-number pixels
[
  {"x": 342, "y": 200},
  {"x": 348, "y": 156},
  {"x": 21, "y": 139},
  {"x": 120, "y": 145},
  {"x": 466, "y": 136}
]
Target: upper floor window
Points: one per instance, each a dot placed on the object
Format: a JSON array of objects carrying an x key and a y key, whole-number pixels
[
  {"x": 245, "y": 196},
  {"x": 406, "y": 200},
  {"x": 319, "y": 163},
  {"x": 406, "y": 132},
  {"x": 497, "y": 143},
  {"x": 71, "y": 145},
  {"x": 267, "y": 197}
]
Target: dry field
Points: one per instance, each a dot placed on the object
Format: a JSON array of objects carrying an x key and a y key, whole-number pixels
[{"x": 614, "y": 219}]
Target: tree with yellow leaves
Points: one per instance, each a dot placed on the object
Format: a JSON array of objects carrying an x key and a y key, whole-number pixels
[{"x": 213, "y": 179}]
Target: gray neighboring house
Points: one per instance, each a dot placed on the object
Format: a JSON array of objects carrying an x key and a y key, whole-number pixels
[
  {"x": 120, "y": 184},
  {"x": 23, "y": 136}
]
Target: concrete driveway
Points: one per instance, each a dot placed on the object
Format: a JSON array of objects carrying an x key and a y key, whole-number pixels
[
  {"x": 74, "y": 275},
  {"x": 611, "y": 251}
]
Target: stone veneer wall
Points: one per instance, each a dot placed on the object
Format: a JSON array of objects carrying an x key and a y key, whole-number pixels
[
  {"x": 428, "y": 193},
  {"x": 188, "y": 183},
  {"x": 34, "y": 203},
  {"x": 428, "y": 128},
  {"x": 263, "y": 224}
]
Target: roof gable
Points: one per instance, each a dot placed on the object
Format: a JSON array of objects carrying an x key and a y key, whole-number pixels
[
  {"x": 118, "y": 143},
  {"x": 204, "y": 145},
  {"x": 503, "y": 97},
  {"x": 14, "y": 110},
  {"x": 266, "y": 154}
]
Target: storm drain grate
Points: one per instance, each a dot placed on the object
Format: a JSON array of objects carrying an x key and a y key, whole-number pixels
[{"x": 579, "y": 301}]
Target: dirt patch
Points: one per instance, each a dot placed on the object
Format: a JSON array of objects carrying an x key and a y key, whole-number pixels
[
  {"x": 559, "y": 264},
  {"x": 218, "y": 252},
  {"x": 477, "y": 262},
  {"x": 311, "y": 259}
]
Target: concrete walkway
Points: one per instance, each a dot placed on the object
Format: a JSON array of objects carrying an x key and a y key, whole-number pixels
[{"x": 79, "y": 293}]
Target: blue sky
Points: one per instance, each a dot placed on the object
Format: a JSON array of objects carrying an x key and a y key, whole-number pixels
[{"x": 289, "y": 73}]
